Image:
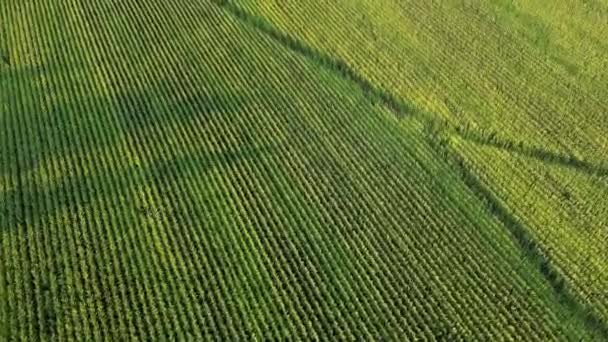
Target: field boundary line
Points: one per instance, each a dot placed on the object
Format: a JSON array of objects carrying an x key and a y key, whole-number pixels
[
  {"x": 543, "y": 155},
  {"x": 394, "y": 104},
  {"x": 530, "y": 248}
]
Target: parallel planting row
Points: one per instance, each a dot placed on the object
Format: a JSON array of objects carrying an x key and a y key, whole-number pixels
[
  {"x": 457, "y": 60},
  {"x": 527, "y": 85},
  {"x": 169, "y": 171},
  {"x": 564, "y": 207}
]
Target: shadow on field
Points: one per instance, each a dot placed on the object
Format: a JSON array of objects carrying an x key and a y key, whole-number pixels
[
  {"x": 57, "y": 111},
  {"x": 541, "y": 154},
  {"x": 74, "y": 192},
  {"x": 375, "y": 94},
  {"x": 531, "y": 249},
  {"x": 33, "y": 120},
  {"x": 13, "y": 73},
  {"x": 59, "y": 138}
]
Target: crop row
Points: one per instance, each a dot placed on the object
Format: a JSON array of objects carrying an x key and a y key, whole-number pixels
[
  {"x": 563, "y": 209},
  {"x": 182, "y": 175},
  {"x": 459, "y": 53},
  {"x": 571, "y": 127}
]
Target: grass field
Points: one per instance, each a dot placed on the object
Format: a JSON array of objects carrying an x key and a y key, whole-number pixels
[{"x": 312, "y": 170}]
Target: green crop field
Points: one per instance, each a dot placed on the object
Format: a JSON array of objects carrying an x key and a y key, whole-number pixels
[{"x": 303, "y": 170}]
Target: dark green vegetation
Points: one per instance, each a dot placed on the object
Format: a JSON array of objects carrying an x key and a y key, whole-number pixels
[{"x": 302, "y": 169}]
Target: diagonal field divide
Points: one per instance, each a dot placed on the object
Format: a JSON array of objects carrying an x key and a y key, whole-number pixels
[
  {"x": 392, "y": 103},
  {"x": 401, "y": 109},
  {"x": 535, "y": 152},
  {"x": 533, "y": 251}
]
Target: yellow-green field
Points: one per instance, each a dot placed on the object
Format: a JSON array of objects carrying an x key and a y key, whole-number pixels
[{"x": 303, "y": 170}]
